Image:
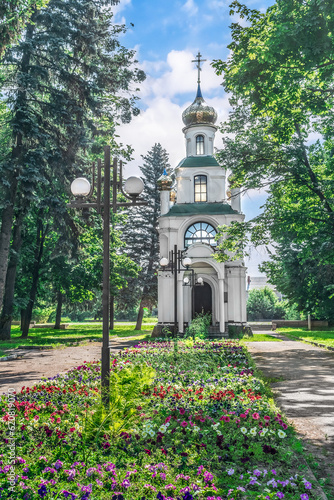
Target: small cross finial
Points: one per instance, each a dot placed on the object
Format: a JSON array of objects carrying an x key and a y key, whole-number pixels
[{"x": 198, "y": 66}]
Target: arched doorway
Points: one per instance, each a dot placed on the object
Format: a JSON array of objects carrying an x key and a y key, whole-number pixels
[{"x": 203, "y": 299}]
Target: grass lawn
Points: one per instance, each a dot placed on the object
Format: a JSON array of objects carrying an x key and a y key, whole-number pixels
[
  {"x": 325, "y": 337},
  {"x": 76, "y": 332},
  {"x": 261, "y": 337}
]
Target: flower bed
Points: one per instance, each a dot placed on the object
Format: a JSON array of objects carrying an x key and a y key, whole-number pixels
[{"x": 187, "y": 421}]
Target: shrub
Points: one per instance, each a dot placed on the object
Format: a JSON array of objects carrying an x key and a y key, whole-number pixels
[
  {"x": 263, "y": 304},
  {"x": 199, "y": 326}
]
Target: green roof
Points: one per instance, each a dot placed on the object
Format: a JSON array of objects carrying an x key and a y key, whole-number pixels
[
  {"x": 200, "y": 208},
  {"x": 198, "y": 161}
]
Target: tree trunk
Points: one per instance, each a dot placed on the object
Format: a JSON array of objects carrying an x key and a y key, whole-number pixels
[
  {"x": 16, "y": 161},
  {"x": 140, "y": 314},
  {"x": 58, "y": 312},
  {"x": 8, "y": 300},
  {"x": 40, "y": 238},
  {"x": 5, "y": 234}
]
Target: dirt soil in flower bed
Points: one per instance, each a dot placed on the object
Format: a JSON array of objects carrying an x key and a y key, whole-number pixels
[
  {"x": 302, "y": 378},
  {"x": 35, "y": 364}
]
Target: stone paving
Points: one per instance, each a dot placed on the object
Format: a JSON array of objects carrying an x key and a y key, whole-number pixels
[{"x": 304, "y": 390}]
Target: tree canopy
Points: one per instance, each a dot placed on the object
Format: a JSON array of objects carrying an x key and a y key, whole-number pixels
[{"x": 279, "y": 137}]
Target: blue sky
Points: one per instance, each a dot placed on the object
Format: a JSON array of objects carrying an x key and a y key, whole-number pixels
[{"x": 167, "y": 34}]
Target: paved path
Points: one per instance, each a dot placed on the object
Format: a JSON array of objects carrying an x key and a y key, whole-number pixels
[
  {"x": 36, "y": 364},
  {"x": 306, "y": 391}
]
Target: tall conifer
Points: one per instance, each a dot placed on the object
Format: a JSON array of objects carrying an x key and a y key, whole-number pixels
[
  {"x": 142, "y": 238},
  {"x": 61, "y": 79}
]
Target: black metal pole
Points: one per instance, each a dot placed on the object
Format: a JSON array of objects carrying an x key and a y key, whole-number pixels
[
  {"x": 105, "y": 368},
  {"x": 175, "y": 289},
  {"x": 114, "y": 211}
]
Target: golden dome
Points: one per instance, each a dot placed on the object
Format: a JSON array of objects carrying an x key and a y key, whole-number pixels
[{"x": 199, "y": 112}]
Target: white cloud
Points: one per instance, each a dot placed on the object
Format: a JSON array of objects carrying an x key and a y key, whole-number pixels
[
  {"x": 120, "y": 7},
  {"x": 190, "y": 7},
  {"x": 164, "y": 97}
]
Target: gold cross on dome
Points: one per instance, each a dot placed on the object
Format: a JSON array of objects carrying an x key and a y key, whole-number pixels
[{"x": 198, "y": 65}]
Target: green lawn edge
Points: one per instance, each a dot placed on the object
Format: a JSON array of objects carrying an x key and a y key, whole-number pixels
[{"x": 76, "y": 333}]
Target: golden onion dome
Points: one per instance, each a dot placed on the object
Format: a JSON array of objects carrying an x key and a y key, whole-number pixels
[
  {"x": 165, "y": 182},
  {"x": 199, "y": 112}
]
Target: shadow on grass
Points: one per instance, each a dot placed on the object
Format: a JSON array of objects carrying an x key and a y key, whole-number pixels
[{"x": 76, "y": 333}]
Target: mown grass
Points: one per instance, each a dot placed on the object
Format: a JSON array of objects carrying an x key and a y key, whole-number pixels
[
  {"x": 260, "y": 337},
  {"x": 325, "y": 337},
  {"x": 77, "y": 332}
]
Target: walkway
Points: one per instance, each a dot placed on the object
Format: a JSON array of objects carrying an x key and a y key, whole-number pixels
[
  {"x": 36, "y": 364},
  {"x": 304, "y": 390}
]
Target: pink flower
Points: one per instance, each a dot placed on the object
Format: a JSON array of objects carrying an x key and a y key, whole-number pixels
[
  {"x": 184, "y": 423},
  {"x": 168, "y": 419},
  {"x": 182, "y": 411},
  {"x": 266, "y": 418},
  {"x": 256, "y": 416},
  {"x": 243, "y": 415},
  {"x": 227, "y": 419}
]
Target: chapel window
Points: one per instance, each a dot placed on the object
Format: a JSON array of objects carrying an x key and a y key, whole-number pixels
[
  {"x": 200, "y": 232},
  {"x": 200, "y": 145},
  {"x": 200, "y": 186}
]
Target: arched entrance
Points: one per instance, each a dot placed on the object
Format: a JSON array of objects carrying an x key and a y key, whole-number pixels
[{"x": 203, "y": 299}]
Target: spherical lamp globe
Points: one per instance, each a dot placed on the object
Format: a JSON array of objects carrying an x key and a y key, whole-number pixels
[
  {"x": 80, "y": 187},
  {"x": 187, "y": 261},
  {"x": 164, "y": 262},
  {"x": 133, "y": 186}
]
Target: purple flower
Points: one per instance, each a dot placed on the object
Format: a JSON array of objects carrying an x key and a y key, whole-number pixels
[
  {"x": 126, "y": 483},
  {"x": 208, "y": 476},
  {"x": 42, "y": 491},
  {"x": 304, "y": 496},
  {"x": 188, "y": 496},
  {"x": 280, "y": 494},
  {"x": 58, "y": 465},
  {"x": 307, "y": 485}
]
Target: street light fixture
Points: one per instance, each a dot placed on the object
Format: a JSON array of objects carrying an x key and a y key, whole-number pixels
[
  {"x": 176, "y": 263},
  {"x": 83, "y": 190}
]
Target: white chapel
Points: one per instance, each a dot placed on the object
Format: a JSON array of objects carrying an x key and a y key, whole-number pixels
[{"x": 191, "y": 281}]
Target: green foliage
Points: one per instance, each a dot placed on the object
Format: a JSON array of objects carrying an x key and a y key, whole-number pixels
[
  {"x": 14, "y": 14},
  {"x": 199, "y": 326},
  {"x": 42, "y": 314},
  {"x": 263, "y": 304},
  {"x": 126, "y": 387},
  {"x": 141, "y": 234},
  {"x": 280, "y": 78}
]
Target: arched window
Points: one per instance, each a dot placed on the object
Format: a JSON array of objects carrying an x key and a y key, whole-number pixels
[
  {"x": 200, "y": 232},
  {"x": 200, "y": 185},
  {"x": 200, "y": 145}
]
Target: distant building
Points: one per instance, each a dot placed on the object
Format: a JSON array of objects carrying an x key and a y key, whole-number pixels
[{"x": 257, "y": 282}]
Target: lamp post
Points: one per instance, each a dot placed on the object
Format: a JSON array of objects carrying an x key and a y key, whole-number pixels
[
  {"x": 175, "y": 265},
  {"x": 83, "y": 191}
]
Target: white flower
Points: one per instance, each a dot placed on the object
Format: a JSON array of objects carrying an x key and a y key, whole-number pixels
[
  {"x": 243, "y": 430},
  {"x": 253, "y": 431},
  {"x": 195, "y": 428},
  {"x": 219, "y": 433},
  {"x": 281, "y": 434},
  {"x": 264, "y": 432},
  {"x": 162, "y": 429}
]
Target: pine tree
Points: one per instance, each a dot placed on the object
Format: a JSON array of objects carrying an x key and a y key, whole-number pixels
[
  {"x": 61, "y": 80},
  {"x": 142, "y": 238}
]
